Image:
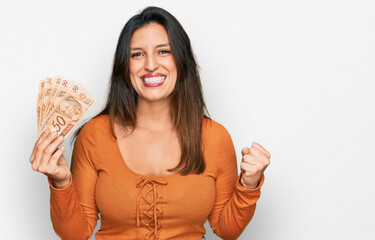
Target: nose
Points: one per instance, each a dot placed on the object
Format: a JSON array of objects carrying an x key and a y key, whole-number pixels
[{"x": 151, "y": 63}]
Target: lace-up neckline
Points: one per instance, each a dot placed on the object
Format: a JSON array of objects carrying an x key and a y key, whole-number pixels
[{"x": 151, "y": 213}]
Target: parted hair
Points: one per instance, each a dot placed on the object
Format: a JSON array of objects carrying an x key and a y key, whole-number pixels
[{"x": 187, "y": 103}]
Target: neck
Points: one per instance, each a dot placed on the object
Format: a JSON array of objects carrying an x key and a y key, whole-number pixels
[{"x": 154, "y": 116}]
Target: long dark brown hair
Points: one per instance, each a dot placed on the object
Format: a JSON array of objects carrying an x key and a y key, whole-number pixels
[{"x": 187, "y": 104}]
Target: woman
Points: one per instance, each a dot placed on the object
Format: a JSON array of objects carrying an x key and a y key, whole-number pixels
[{"x": 151, "y": 163}]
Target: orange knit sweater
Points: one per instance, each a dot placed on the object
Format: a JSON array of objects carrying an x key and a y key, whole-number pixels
[{"x": 134, "y": 206}]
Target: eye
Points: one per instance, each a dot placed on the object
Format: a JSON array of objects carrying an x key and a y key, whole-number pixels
[
  {"x": 164, "y": 52},
  {"x": 137, "y": 54}
]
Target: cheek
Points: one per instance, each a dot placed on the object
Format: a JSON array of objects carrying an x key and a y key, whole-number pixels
[
  {"x": 134, "y": 83},
  {"x": 173, "y": 67},
  {"x": 170, "y": 65},
  {"x": 135, "y": 67},
  {"x": 174, "y": 74}
]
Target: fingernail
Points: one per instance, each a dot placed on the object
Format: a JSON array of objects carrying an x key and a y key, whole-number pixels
[
  {"x": 46, "y": 131},
  {"x": 60, "y": 138},
  {"x": 62, "y": 148},
  {"x": 53, "y": 133}
]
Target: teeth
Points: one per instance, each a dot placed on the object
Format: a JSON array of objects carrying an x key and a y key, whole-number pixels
[{"x": 154, "y": 79}]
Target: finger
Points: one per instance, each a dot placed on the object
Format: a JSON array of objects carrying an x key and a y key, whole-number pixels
[
  {"x": 41, "y": 147},
  {"x": 253, "y": 168},
  {"x": 43, "y": 136},
  {"x": 51, "y": 149},
  {"x": 245, "y": 150},
  {"x": 248, "y": 169},
  {"x": 250, "y": 159},
  {"x": 257, "y": 145},
  {"x": 257, "y": 153},
  {"x": 55, "y": 158}
]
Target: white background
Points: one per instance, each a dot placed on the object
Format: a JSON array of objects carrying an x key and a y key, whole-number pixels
[{"x": 296, "y": 76}]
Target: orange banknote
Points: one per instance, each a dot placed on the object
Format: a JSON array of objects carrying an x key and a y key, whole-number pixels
[{"x": 61, "y": 105}]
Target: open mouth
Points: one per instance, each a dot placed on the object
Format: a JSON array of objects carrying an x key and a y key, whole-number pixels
[
  {"x": 158, "y": 79},
  {"x": 153, "y": 80}
]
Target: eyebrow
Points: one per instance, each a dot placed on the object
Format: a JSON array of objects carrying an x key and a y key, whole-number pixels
[{"x": 157, "y": 46}]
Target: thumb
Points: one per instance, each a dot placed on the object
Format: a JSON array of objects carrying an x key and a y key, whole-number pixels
[{"x": 245, "y": 151}]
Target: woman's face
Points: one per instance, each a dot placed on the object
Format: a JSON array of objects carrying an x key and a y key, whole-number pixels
[{"x": 153, "y": 71}]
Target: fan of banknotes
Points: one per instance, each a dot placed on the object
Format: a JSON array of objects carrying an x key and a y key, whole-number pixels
[{"x": 61, "y": 104}]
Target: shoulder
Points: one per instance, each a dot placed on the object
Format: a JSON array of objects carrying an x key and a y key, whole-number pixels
[
  {"x": 94, "y": 126},
  {"x": 96, "y": 122},
  {"x": 215, "y": 134},
  {"x": 213, "y": 129},
  {"x": 218, "y": 147}
]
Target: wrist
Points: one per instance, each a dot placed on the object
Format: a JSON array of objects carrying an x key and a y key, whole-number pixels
[
  {"x": 248, "y": 185},
  {"x": 60, "y": 184}
]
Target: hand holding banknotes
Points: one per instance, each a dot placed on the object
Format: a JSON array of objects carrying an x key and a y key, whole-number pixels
[
  {"x": 61, "y": 105},
  {"x": 48, "y": 159}
]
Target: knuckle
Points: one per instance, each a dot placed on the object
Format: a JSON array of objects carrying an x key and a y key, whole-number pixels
[
  {"x": 47, "y": 151},
  {"x": 42, "y": 169},
  {"x": 268, "y": 162},
  {"x": 48, "y": 171},
  {"x": 34, "y": 167},
  {"x": 264, "y": 161},
  {"x": 242, "y": 165},
  {"x": 39, "y": 147},
  {"x": 252, "y": 150},
  {"x": 245, "y": 167},
  {"x": 245, "y": 158}
]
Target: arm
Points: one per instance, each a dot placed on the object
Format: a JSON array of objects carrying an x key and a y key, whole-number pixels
[
  {"x": 73, "y": 210},
  {"x": 235, "y": 204}
]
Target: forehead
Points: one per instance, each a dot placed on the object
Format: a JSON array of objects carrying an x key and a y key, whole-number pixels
[{"x": 149, "y": 35}]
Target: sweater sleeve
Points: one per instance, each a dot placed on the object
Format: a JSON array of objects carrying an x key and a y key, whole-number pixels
[
  {"x": 234, "y": 204},
  {"x": 73, "y": 209}
]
